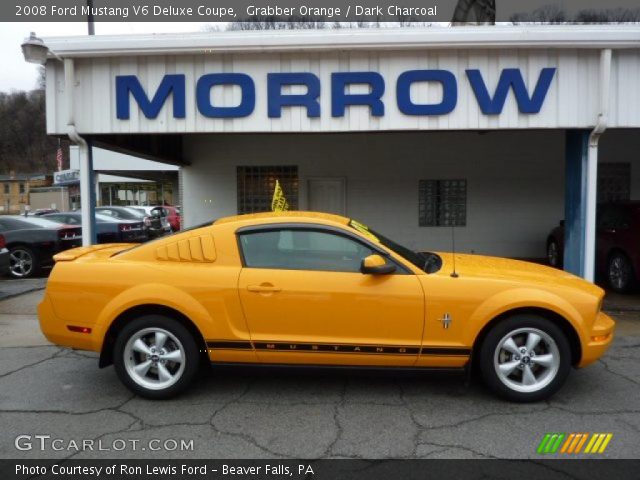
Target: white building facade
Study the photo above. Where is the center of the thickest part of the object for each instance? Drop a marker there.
(410, 131)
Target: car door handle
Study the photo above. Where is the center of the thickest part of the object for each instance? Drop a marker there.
(263, 288)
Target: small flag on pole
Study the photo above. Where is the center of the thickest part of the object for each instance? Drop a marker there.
(279, 202)
(59, 157)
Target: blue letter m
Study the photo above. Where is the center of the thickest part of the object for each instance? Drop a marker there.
(170, 84)
(511, 78)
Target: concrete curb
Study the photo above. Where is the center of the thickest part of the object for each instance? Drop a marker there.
(7, 296)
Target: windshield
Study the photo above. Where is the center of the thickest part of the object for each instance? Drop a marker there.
(424, 261)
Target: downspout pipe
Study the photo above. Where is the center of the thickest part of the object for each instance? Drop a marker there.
(86, 167)
(592, 166)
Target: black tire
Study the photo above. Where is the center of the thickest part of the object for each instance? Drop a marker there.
(620, 275)
(554, 255)
(553, 344)
(124, 357)
(19, 255)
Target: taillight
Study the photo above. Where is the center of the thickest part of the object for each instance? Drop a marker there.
(69, 233)
(77, 329)
(124, 227)
(3, 241)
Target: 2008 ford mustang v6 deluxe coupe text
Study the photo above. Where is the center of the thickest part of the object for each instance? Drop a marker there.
(318, 289)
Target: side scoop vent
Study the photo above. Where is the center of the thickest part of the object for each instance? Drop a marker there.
(194, 249)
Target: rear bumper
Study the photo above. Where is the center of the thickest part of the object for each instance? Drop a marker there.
(4, 261)
(158, 232)
(134, 236)
(57, 331)
(600, 339)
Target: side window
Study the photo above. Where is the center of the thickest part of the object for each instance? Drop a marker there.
(302, 250)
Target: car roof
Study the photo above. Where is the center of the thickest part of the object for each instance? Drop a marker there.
(265, 217)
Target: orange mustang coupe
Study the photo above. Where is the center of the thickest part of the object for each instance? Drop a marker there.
(318, 289)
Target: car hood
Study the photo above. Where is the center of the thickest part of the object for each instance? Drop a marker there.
(518, 271)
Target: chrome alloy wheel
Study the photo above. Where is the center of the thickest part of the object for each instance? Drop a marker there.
(527, 360)
(20, 262)
(154, 358)
(619, 272)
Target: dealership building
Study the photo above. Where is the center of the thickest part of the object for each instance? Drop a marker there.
(492, 133)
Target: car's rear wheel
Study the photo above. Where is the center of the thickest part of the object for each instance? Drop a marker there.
(620, 274)
(156, 357)
(553, 253)
(525, 358)
(23, 262)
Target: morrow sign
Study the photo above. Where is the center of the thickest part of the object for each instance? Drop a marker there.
(174, 86)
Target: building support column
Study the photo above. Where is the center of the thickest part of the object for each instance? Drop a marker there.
(582, 184)
(87, 194)
(93, 180)
(577, 183)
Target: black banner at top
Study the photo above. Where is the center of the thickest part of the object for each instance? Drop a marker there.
(402, 11)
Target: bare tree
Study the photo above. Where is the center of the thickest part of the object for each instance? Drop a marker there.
(42, 78)
(296, 22)
(554, 14)
(479, 12)
(616, 15)
(545, 14)
(304, 23)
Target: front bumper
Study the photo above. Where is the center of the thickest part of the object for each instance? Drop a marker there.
(599, 341)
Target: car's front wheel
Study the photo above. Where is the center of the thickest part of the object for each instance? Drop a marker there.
(156, 357)
(525, 358)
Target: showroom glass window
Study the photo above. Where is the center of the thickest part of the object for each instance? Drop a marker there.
(257, 183)
(302, 250)
(442, 203)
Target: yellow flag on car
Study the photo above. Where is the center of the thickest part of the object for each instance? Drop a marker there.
(279, 202)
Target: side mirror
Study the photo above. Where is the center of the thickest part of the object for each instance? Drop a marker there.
(376, 265)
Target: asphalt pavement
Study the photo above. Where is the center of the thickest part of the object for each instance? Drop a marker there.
(13, 287)
(269, 413)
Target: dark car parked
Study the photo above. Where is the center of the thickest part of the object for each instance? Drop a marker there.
(4, 256)
(617, 245)
(108, 229)
(33, 241)
(159, 218)
(152, 224)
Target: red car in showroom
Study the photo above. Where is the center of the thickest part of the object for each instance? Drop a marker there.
(617, 245)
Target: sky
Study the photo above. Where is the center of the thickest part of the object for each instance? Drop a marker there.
(19, 75)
